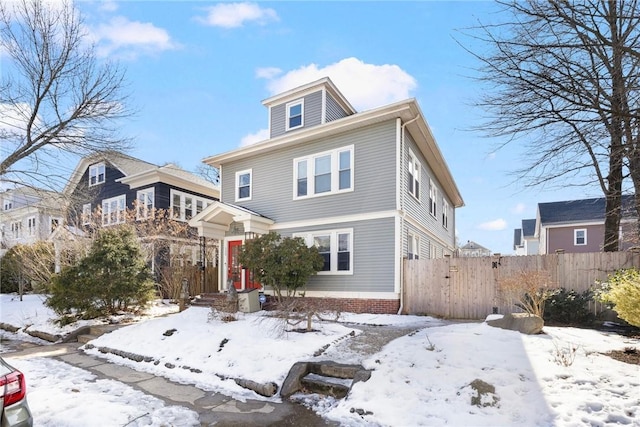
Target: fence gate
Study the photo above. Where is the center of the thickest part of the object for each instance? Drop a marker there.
(467, 288)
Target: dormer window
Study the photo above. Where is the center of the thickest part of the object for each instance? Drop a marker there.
(96, 174)
(294, 114)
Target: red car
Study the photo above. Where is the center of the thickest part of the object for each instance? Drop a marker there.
(13, 393)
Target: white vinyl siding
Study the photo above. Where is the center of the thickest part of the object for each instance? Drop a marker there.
(114, 210)
(96, 174)
(145, 203)
(330, 172)
(243, 185)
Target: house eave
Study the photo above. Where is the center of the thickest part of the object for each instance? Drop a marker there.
(151, 177)
(406, 110)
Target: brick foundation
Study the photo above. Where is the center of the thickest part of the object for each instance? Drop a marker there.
(350, 305)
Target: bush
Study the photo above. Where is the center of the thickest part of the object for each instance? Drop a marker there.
(10, 272)
(569, 307)
(113, 277)
(622, 291)
(527, 290)
(282, 263)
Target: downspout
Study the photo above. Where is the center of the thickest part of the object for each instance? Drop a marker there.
(400, 200)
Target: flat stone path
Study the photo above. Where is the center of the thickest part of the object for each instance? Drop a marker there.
(213, 408)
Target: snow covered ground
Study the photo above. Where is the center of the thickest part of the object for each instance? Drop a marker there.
(558, 378)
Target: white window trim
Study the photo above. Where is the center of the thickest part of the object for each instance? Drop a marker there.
(433, 196)
(575, 237)
(31, 226)
(16, 229)
(237, 186)
(415, 165)
(121, 207)
(335, 173)
(94, 170)
(52, 220)
(445, 214)
(142, 211)
(288, 113)
(413, 243)
(86, 214)
(183, 206)
(333, 235)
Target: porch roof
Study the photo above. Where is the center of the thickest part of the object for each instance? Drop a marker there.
(215, 219)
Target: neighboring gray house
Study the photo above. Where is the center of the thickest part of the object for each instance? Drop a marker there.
(472, 249)
(525, 241)
(368, 189)
(578, 225)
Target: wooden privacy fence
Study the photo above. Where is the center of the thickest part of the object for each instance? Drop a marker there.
(171, 280)
(467, 288)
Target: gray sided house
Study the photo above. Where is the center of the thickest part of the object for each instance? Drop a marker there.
(368, 189)
(578, 225)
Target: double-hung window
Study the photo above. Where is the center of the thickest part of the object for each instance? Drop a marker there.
(295, 114)
(580, 237)
(145, 203)
(330, 172)
(86, 214)
(413, 246)
(16, 228)
(96, 174)
(243, 185)
(413, 175)
(113, 210)
(31, 226)
(433, 195)
(445, 214)
(185, 206)
(335, 247)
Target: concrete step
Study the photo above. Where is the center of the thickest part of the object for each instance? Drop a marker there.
(326, 377)
(327, 386)
(85, 338)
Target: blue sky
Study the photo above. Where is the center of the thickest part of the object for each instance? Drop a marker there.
(199, 70)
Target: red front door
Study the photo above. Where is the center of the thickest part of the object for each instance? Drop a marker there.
(234, 269)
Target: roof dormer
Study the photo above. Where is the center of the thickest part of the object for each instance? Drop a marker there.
(309, 105)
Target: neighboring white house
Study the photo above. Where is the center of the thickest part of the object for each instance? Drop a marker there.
(28, 215)
(472, 249)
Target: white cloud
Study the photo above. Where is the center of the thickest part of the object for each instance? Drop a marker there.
(365, 85)
(495, 225)
(519, 208)
(108, 6)
(131, 38)
(268, 72)
(234, 15)
(14, 117)
(253, 138)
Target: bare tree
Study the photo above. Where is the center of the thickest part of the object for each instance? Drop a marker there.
(563, 76)
(57, 99)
